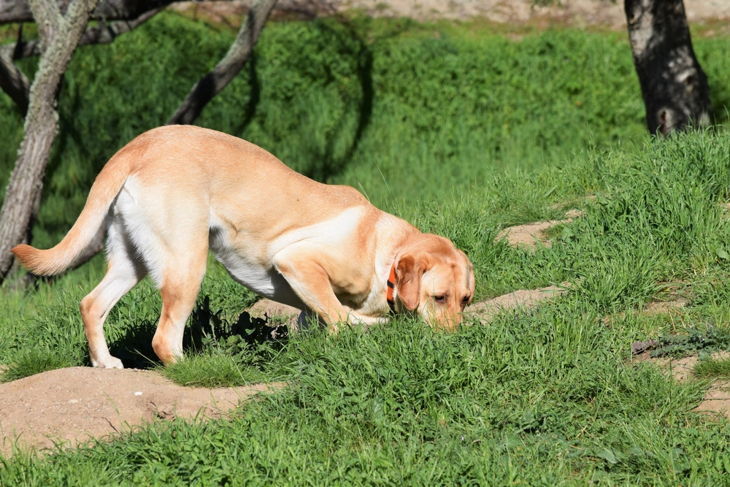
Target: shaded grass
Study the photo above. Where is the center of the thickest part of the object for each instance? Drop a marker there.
(373, 105)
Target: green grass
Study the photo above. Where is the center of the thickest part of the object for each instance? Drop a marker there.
(465, 133)
(213, 369)
(712, 368)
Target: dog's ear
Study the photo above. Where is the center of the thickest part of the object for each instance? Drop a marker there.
(408, 274)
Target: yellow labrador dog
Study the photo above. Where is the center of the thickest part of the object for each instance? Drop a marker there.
(175, 192)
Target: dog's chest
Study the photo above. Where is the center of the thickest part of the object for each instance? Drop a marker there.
(256, 277)
(262, 279)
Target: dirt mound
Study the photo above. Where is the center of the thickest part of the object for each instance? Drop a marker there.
(485, 311)
(70, 406)
(529, 235)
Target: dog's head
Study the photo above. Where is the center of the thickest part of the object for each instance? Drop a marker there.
(434, 279)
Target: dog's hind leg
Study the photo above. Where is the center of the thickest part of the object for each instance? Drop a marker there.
(124, 271)
(168, 226)
(179, 288)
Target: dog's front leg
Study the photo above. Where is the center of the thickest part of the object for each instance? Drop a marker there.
(310, 282)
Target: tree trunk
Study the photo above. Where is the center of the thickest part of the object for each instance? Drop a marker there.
(673, 85)
(59, 36)
(212, 83)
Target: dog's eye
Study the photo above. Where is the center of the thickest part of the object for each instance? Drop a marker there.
(441, 298)
(465, 300)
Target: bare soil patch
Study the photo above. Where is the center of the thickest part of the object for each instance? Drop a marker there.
(575, 12)
(665, 307)
(485, 311)
(266, 308)
(73, 405)
(717, 397)
(530, 235)
(274, 313)
(669, 307)
(578, 13)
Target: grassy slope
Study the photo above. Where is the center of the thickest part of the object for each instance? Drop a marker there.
(466, 133)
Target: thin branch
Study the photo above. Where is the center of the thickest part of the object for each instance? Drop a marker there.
(101, 34)
(212, 83)
(13, 81)
(16, 84)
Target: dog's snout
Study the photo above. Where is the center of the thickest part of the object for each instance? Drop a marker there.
(446, 321)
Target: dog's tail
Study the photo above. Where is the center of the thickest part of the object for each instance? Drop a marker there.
(88, 225)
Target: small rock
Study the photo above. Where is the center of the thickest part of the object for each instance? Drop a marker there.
(641, 347)
(574, 213)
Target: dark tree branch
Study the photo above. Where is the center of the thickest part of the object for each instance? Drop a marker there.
(13, 81)
(673, 85)
(212, 83)
(101, 34)
(19, 11)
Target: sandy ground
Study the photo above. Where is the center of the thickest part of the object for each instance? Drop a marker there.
(70, 406)
(579, 13)
(530, 235)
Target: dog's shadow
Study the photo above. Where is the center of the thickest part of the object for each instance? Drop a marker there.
(206, 328)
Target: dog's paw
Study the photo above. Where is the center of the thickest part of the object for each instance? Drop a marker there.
(109, 363)
(360, 319)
